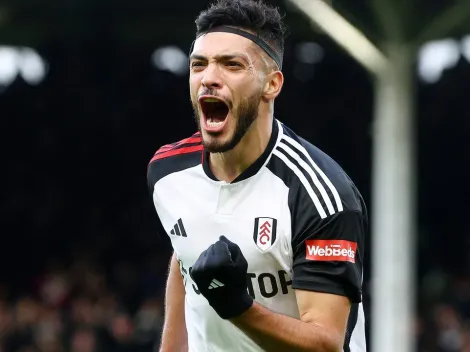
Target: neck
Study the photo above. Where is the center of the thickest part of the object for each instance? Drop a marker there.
(229, 165)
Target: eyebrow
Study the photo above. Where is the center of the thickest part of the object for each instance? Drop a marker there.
(221, 57)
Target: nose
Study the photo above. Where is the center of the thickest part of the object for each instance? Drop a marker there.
(211, 78)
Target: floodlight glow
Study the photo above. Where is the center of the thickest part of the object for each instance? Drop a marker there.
(172, 59)
(31, 66)
(8, 65)
(22, 61)
(466, 47)
(435, 57)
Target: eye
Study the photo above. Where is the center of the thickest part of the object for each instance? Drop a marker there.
(234, 64)
(197, 64)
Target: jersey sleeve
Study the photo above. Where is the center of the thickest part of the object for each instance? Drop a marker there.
(153, 174)
(169, 159)
(328, 251)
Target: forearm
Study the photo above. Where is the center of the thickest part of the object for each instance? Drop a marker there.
(275, 332)
(174, 336)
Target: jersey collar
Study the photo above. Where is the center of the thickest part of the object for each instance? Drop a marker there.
(253, 168)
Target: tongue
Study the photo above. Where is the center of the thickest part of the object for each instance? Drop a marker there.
(217, 112)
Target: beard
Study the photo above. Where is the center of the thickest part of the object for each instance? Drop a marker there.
(244, 115)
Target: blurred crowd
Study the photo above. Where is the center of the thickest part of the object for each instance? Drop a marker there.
(443, 324)
(84, 308)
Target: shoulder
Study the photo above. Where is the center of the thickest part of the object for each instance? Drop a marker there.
(328, 220)
(314, 178)
(174, 157)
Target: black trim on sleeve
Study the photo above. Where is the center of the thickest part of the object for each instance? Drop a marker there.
(328, 285)
(352, 321)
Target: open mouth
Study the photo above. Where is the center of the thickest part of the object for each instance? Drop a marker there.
(215, 113)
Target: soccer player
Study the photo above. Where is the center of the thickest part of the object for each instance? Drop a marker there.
(267, 230)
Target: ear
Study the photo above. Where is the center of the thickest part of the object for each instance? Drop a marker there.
(273, 85)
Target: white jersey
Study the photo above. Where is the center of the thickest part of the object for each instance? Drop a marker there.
(295, 214)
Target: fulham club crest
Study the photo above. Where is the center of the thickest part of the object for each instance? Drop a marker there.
(265, 232)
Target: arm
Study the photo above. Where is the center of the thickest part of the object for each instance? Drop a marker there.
(174, 336)
(325, 286)
(321, 329)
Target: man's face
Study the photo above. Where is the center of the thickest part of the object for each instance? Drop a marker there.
(226, 88)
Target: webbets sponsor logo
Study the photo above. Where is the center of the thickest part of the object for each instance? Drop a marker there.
(331, 250)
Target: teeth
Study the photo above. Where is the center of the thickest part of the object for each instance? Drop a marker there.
(214, 123)
(211, 100)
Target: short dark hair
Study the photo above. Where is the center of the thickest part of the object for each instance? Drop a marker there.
(252, 15)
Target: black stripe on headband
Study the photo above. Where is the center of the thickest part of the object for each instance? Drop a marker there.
(261, 43)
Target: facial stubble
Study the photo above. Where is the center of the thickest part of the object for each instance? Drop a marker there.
(244, 115)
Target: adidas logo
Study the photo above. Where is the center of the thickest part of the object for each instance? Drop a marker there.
(215, 284)
(178, 229)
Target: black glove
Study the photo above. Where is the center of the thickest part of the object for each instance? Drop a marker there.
(220, 275)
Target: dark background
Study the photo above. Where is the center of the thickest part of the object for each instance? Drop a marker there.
(78, 224)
